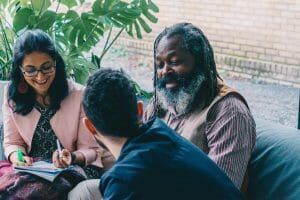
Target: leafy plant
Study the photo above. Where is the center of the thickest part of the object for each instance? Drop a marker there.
(76, 34)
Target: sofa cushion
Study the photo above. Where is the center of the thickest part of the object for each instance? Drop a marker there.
(274, 168)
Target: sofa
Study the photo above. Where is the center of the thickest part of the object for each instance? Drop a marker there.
(274, 168)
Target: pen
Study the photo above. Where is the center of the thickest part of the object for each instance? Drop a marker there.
(59, 149)
(20, 155)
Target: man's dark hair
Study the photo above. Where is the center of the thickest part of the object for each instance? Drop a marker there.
(36, 41)
(195, 42)
(110, 103)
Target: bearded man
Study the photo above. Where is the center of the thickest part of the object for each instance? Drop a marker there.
(191, 98)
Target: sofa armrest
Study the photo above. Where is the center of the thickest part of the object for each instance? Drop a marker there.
(2, 156)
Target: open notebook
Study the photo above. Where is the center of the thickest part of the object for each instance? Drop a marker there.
(42, 169)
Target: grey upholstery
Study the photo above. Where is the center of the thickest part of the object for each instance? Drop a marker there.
(2, 84)
(2, 157)
(274, 168)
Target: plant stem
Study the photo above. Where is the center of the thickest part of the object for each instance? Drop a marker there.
(6, 43)
(40, 11)
(32, 5)
(108, 37)
(112, 42)
(90, 34)
(7, 22)
(58, 4)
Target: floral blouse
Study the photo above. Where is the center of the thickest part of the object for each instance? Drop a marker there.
(44, 140)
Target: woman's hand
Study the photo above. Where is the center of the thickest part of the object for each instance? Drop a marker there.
(13, 158)
(64, 161)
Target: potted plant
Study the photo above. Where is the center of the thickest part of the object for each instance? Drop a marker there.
(75, 33)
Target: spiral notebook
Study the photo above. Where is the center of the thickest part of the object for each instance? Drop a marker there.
(42, 169)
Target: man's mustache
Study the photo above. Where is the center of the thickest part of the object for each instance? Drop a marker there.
(183, 80)
(161, 82)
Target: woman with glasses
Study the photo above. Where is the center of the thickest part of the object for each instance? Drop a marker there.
(42, 108)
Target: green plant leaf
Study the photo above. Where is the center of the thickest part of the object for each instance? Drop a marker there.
(140, 92)
(40, 5)
(122, 20)
(131, 12)
(145, 26)
(32, 20)
(21, 19)
(46, 20)
(75, 33)
(82, 69)
(62, 43)
(108, 4)
(129, 30)
(3, 3)
(143, 4)
(149, 16)
(138, 30)
(115, 22)
(96, 60)
(12, 6)
(85, 31)
(153, 7)
(70, 3)
(98, 9)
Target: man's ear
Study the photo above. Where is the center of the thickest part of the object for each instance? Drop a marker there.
(90, 127)
(140, 109)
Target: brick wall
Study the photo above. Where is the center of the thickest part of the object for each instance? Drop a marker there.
(258, 38)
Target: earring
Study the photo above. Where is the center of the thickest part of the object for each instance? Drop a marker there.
(22, 87)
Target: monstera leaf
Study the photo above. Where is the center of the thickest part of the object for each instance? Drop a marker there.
(83, 31)
(126, 15)
(81, 68)
(40, 6)
(46, 20)
(22, 19)
(70, 3)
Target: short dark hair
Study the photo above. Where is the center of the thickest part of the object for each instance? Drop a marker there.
(195, 42)
(110, 102)
(36, 41)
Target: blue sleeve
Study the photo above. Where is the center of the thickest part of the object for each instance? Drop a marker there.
(116, 189)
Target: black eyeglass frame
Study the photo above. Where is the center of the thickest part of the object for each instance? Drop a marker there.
(36, 71)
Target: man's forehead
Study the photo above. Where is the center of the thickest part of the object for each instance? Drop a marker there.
(169, 45)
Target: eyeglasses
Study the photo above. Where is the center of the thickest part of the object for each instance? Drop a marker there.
(44, 69)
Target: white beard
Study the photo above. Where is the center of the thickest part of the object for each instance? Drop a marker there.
(180, 99)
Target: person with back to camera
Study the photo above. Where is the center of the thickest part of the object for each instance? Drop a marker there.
(191, 98)
(41, 106)
(152, 160)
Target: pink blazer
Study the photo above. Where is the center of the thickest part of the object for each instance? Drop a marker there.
(66, 123)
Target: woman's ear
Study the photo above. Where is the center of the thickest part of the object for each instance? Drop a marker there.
(89, 125)
(140, 109)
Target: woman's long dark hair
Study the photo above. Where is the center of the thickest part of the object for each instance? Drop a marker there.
(36, 41)
(195, 42)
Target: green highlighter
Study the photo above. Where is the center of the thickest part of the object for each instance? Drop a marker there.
(20, 156)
